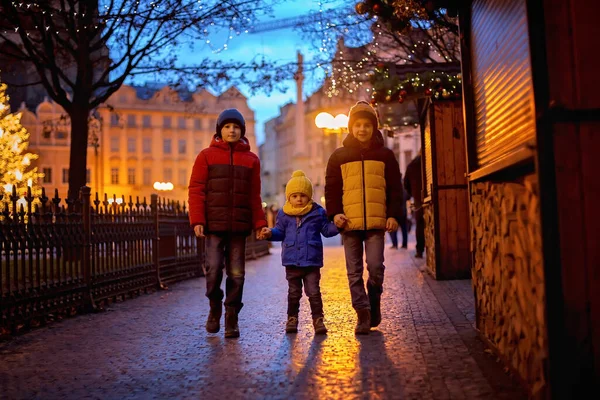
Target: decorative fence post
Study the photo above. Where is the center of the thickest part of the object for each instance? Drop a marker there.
(84, 196)
(156, 240)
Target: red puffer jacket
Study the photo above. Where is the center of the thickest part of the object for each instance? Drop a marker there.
(224, 191)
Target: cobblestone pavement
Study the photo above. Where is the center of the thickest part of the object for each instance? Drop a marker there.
(155, 346)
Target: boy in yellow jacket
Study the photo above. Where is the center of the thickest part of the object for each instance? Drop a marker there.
(363, 193)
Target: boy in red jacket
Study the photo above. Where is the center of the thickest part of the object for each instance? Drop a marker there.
(224, 207)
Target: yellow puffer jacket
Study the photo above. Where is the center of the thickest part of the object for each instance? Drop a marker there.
(364, 184)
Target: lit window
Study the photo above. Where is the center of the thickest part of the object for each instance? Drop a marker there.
(47, 175)
(114, 176)
(147, 145)
(131, 176)
(114, 144)
(168, 174)
(147, 176)
(131, 121)
(167, 146)
(131, 145)
(181, 123)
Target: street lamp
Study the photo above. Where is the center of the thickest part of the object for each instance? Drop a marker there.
(163, 186)
(331, 124)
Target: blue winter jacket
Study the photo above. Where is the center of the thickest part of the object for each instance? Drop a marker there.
(302, 245)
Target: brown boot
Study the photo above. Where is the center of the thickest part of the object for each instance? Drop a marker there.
(319, 326)
(214, 317)
(363, 326)
(231, 323)
(291, 325)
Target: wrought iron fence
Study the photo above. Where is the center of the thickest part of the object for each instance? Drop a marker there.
(59, 259)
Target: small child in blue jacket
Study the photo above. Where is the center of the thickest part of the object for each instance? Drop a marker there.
(299, 226)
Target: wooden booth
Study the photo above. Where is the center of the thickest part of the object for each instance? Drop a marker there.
(445, 190)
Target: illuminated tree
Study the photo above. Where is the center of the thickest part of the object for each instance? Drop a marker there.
(16, 171)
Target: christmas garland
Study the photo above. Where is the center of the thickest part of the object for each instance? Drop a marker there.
(436, 84)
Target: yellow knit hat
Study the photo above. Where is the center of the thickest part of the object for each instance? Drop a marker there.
(299, 183)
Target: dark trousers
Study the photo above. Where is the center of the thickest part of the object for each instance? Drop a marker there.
(310, 276)
(420, 230)
(228, 251)
(404, 230)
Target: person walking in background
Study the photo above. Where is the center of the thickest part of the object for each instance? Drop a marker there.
(225, 206)
(402, 224)
(299, 226)
(363, 193)
(413, 183)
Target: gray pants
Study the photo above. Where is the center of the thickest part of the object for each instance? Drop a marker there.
(374, 243)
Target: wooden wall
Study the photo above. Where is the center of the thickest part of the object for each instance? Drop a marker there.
(508, 276)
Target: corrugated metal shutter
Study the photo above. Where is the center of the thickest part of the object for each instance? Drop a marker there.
(428, 161)
(503, 88)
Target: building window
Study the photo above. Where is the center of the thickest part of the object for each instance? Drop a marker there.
(131, 176)
(131, 145)
(147, 145)
(114, 144)
(197, 146)
(168, 174)
(183, 178)
(61, 134)
(198, 124)
(88, 176)
(182, 147)
(167, 146)
(166, 122)
(146, 121)
(47, 175)
(131, 121)
(147, 176)
(65, 175)
(114, 176)
(114, 119)
(181, 123)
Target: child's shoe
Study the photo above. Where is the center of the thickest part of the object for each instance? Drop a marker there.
(291, 325)
(319, 326)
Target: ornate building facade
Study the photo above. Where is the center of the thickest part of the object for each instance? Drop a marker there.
(140, 136)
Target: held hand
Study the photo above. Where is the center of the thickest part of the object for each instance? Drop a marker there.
(340, 220)
(262, 232)
(266, 233)
(391, 225)
(199, 231)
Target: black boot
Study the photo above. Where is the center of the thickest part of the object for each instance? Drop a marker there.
(231, 322)
(364, 321)
(375, 300)
(214, 317)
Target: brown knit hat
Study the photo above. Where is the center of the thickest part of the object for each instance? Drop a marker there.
(362, 109)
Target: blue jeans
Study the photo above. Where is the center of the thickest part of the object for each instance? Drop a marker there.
(227, 251)
(374, 243)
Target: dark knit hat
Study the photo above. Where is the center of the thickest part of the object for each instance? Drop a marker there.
(231, 115)
(362, 109)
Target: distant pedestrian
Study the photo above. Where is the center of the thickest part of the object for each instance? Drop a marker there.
(363, 193)
(413, 183)
(299, 226)
(403, 225)
(225, 207)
